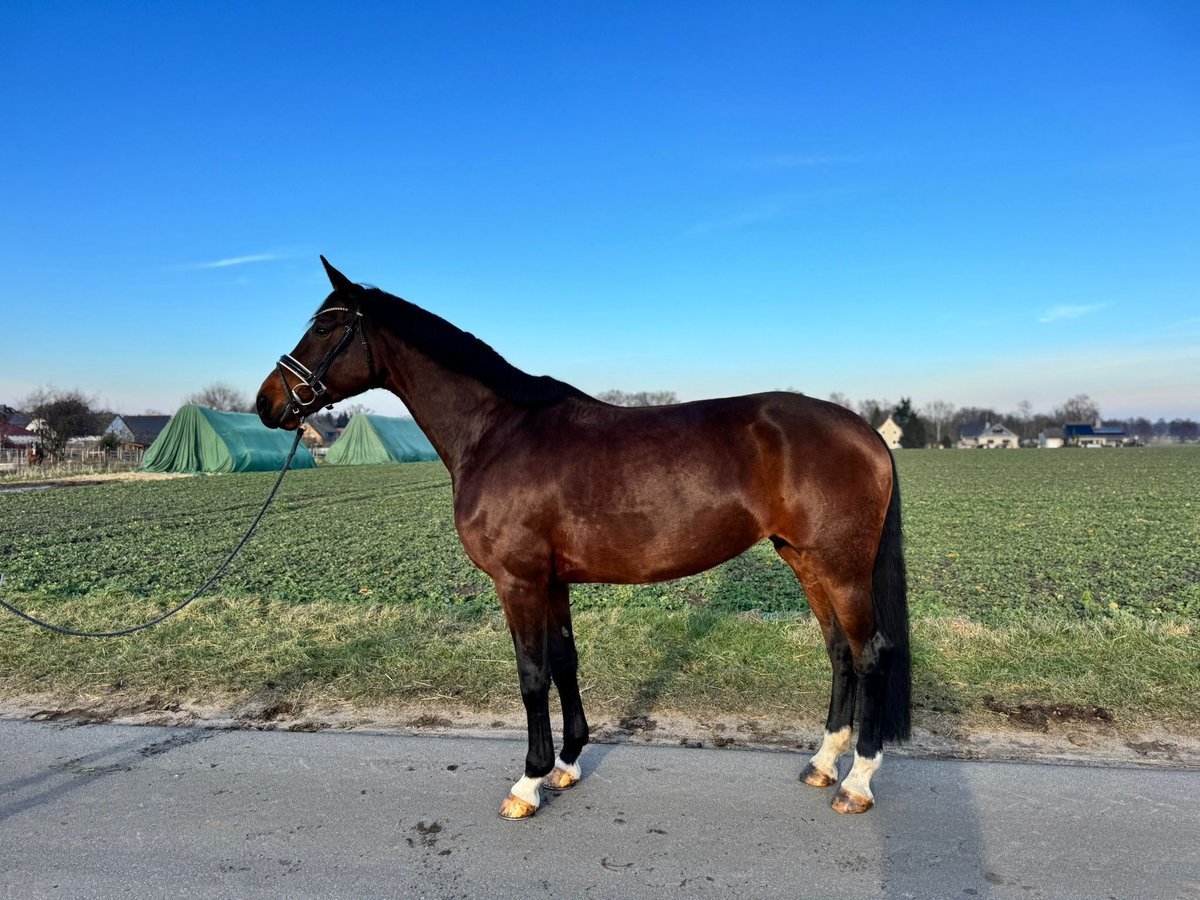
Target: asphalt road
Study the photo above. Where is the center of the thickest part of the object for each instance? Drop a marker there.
(124, 811)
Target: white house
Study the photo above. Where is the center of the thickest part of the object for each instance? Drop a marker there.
(890, 432)
(996, 437)
(1051, 439)
(989, 437)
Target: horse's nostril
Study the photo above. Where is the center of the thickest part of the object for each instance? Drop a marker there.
(264, 405)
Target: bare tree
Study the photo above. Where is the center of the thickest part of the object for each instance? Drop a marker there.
(221, 396)
(59, 416)
(875, 411)
(1024, 418)
(1080, 408)
(940, 413)
(641, 398)
(345, 412)
(357, 409)
(841, 400)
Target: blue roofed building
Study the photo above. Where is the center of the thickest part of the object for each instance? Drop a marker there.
(1093, 434)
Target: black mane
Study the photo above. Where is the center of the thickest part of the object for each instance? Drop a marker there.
(461, 351)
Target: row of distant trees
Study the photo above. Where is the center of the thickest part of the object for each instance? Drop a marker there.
(226, 398)
(65, 414)
(69, 414)
(641, 398)
(940, 422)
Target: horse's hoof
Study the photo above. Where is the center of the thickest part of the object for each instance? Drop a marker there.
(849, 803)
(514, 807)
(814, 777)
(559, 779)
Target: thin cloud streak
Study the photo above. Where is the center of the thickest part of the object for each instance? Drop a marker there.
(1063, 313)
(768, 208)
(238, 261)
(800, 161)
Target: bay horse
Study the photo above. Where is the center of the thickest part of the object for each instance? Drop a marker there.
(553, 487)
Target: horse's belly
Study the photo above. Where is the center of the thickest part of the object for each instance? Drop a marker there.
(636, 548)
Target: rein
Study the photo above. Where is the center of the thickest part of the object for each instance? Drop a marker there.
(310, 379)
(70, 632)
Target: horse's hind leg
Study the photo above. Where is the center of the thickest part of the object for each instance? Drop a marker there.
(564, 666)
(841, 597)
(822, 769)
(853, 608)
(854, 795)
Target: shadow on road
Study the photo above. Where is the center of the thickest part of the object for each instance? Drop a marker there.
(952, 848)
(58, 779)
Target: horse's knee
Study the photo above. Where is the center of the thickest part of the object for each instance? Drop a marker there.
(534, 676)
(535, 691)
(869, 661)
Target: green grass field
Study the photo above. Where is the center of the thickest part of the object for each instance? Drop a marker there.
(1051, 578)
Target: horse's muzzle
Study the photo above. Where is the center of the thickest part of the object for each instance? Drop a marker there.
(263, 404)
(274, 409)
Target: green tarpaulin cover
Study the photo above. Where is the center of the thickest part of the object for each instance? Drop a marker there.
(198, 439)
(380, 439)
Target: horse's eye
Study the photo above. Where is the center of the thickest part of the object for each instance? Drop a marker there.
(320, 330)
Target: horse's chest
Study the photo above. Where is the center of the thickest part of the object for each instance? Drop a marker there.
(500, 531)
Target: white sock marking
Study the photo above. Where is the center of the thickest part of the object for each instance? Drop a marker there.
(527, 790)
(859, 779)
(573, 769)
(833, 745)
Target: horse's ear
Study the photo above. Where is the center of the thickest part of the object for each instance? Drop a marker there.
(336, 278)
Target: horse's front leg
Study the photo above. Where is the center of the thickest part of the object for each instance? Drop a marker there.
(526, 605)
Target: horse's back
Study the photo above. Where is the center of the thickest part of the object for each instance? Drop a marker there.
(625, 495)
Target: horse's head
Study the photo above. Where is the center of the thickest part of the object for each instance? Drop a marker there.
(332, 361)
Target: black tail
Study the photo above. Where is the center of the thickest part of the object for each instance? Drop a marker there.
(889, 591)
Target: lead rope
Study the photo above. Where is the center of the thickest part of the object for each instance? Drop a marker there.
(58, 629)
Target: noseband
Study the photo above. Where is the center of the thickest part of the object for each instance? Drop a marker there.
(312, 379)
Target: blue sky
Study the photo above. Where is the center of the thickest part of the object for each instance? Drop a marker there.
(979, 203)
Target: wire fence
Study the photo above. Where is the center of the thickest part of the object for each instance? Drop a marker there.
(74, 460)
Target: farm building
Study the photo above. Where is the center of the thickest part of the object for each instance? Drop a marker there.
(318, 434)
(198, 439)
(139, 431)
(890, 432)
(380, 439)
(15, 436)
(999, 436)
(1088, 434)
(1051, 439)
(13, 416)
(968, 435)
(987, 437)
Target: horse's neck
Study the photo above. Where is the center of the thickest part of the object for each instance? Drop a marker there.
(454, 410)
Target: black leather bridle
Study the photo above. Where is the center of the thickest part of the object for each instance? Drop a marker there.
(312, 379)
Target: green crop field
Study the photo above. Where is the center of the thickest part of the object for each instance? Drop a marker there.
(1070, 576)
